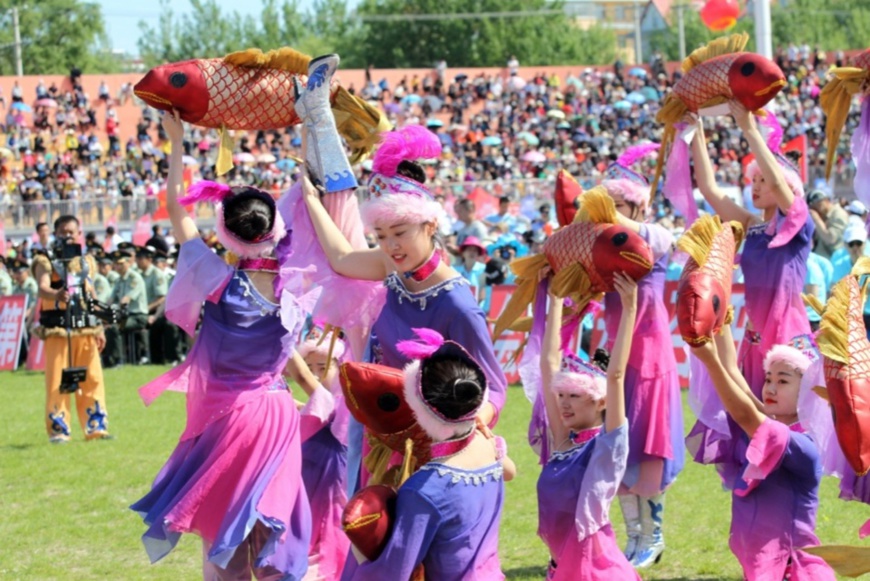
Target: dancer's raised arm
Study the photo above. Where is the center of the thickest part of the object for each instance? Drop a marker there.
(183, 226)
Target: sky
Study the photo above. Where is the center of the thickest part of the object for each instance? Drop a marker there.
(122, 16)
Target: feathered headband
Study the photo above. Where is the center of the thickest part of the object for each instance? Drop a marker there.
(577, 377)
(800, 353)
(790, 171)
(394, 197)
(428, 345)
(621, 181)
(208, 191)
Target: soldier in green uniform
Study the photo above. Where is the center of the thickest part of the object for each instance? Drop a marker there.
(129, 294)
(156, 287)
(24, 284)
(102, 284)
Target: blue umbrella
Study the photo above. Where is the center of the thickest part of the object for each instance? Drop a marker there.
(445, 139)
(410, 99)
(434, 123)
(637, 72)
(21, 107)
(650, 93)
(285, 164)
(624, 105)
(636, 97)
(529, 138)
(563, 125)
(492, 140)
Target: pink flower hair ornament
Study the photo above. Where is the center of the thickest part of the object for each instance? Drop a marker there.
(208, 191)
(624, 183)
(774, 136)
(431, 344)
(577, 377)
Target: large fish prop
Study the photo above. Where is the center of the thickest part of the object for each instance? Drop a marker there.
(842, 339)
(583, 256)
(836, 101)
(713, 75)
(704, 289)
(252, 90)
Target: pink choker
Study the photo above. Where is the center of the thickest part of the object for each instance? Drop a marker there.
(451, 447)
(263, 264)
(584, 436)
(426, 269)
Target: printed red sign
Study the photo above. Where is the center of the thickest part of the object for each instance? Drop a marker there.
(12, 313)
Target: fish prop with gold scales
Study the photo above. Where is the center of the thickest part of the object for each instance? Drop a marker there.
(836, 101)
(713, 75)
(583, 256)
(842, 339)
(252, 90)
(704, 289)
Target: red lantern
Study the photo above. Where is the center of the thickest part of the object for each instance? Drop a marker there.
(720, 15)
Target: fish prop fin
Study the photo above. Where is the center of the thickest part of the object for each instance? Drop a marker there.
(527, 270)
(570, 280)
(698, 240)
(672, 111)
(822, 392)
(833, 336)
(596, 206)
(377, 460)
(836, 100)
(358, 122)
(861, 267)
(729, 318)
(518, 353)
(845, 560)
(408, 463)
(285, 59)
(225, 153)
(522, 325)
(813, 302)
(723, 45)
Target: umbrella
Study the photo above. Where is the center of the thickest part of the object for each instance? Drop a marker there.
(434, 102)
(265, 158)
(492, 140)
(529, 138)
(392, 109)
(4, 152)
(581, 137)
(434, 123)
(636, 97)
(285, 164)
(650, 93)
(563, 125)
(624, 105)
(19, 106)
(47, 103)
(534, 157)
(243, 157)
(637, 72)
(556, 114)
(31, 185)
(411, 99)
(189, 160)
(516, 83)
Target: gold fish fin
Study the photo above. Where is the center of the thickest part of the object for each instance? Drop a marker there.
(521, 325)
(698, 240)
(527, 270)
(717, 47)
(407, 462)
(845, 560)
(358, 122)
(596, 206)
(813, 302)
(225, 153)
(285, 59)
(571, 279)
(822, 392)
(836, 100)
(833, 336)
(377, 460)
(861, 267)
(729, 318)
(739, 232)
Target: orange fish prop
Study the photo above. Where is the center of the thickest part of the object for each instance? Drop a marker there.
(251, 90)
(704, 290)
(583, 256)
(836, 100)
(713, 75)
(842, 339)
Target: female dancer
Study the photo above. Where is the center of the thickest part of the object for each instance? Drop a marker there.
(448, 512)
(771, 466)
(584, 471)
(324, 452)
(652, 384)
(774, 259)
(234, 478)
(423, 291)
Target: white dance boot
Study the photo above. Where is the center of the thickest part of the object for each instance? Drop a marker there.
(630, 505)
(652, 541)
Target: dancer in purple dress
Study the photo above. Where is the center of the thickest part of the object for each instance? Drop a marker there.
(324, 451)
(448, 512)
(653, 402)
(234, 477)
(589, 435)
(769, 463)
(775, 251)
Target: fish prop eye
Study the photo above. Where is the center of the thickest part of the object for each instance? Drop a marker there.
(620, 239)
(178, 80)
(717, 304)
(747, 69)
(389, 402)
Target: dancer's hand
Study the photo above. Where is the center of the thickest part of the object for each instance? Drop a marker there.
(309, 190)
(627, 289)
(706, 352)
(742, 116)
(174, 126)
(484, 418)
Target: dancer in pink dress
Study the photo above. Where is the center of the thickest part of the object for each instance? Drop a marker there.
(589, 435)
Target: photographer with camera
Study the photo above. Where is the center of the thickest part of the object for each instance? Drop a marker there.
(73, 336)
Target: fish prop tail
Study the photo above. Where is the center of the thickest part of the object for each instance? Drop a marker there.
(845, 560)
(225, 153)
(836, 100)
(527, 270)
(358, 122)
(596, 206)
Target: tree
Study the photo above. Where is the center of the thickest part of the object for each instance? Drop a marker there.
(56, 35)
(697, 34)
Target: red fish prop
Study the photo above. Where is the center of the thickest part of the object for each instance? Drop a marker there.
(713, 75)
(843, 341)
(567, 192)
(367, 519)
(251, 90)
(704, 290)
(583, 256)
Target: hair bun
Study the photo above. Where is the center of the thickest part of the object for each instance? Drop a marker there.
(601, 359)
(466, 389)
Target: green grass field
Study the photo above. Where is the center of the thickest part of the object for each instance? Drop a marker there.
(65, 516)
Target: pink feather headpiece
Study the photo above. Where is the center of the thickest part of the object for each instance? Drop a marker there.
(208, 191)
(320, 346)
(435, 424)
(799, 355)
(577, 377)
(393, 197)
(623, 182)
(790, 172)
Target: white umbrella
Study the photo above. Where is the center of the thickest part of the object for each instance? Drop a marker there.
(534, 157)
(244, 157)
(189, 160)
(265, 158)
